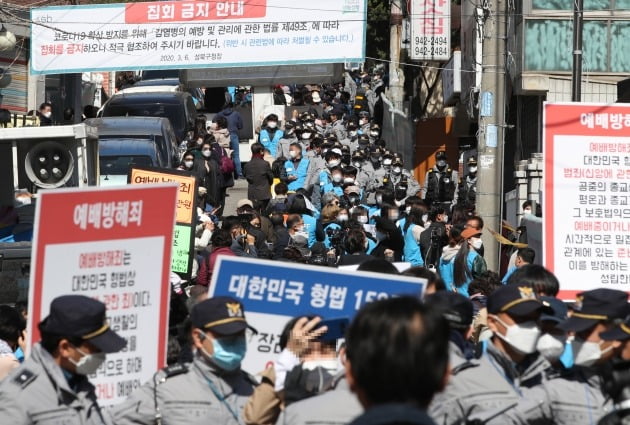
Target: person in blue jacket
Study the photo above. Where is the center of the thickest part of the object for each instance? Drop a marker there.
(296, 167)
(270, 135)
(412, 230)
(460, 264)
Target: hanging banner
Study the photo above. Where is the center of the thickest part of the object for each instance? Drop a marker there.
(586, 216)
(185, 211)
(109, 244)
(195, 34)
(430, 30)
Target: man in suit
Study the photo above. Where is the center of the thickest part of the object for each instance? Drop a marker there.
(259, 177)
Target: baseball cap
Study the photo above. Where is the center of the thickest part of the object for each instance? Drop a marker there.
(221, 315)
(78, 316)
(517, 300)
(455, 308)
(244, 202)
(596, 305)
(440, 155)
(472, 161)
(621, 332)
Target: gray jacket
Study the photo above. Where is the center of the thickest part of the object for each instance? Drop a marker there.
(336, 406)
(38, 393)
(195, 393)
(491, 383)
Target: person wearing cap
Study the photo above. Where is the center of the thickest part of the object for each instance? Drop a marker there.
(375, 133)
(336, 126)
(576, 397)
(51, 386)
(211, 389)
(401, 181)
(289, 136)
(492, 385)
(439, 183)
(620, 334)
(466, 193)
(352, 136)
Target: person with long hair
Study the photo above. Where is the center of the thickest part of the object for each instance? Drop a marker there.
(460, 264)
(412, 230)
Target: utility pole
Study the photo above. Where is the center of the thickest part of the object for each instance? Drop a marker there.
(492, 103)
(576, 74)
(396, 92)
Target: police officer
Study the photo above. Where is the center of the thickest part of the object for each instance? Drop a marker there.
(51, 386)
(211, 389)
(337, 127)
(375, 133)
(439, 183)
(467, 186)
(364, 122)
(288, 138)
(402, 182)
(575, 396)
(493, 384)
(352, 137)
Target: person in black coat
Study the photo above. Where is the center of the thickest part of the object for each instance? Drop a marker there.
(259, 177)
(355, 245)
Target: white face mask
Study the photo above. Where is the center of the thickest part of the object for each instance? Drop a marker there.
(527, 211)
(363, 122)
(407, 210)
(550, 347)
(353, 133)
(188, 164)
(206, 153)
(342, 217)
(441, 163)
(472, 170)
(47, 114)
(362, 219)
(337, 178)
(306, 136)
(356, 164)
(523, 337)
(293, 154)
(272, 124)
(425, 218)
(587, 353)
(89, 363)
(387, 162)
(348, 180)
(397, 170)
(374, 133)
(476, 243)
(334, 163)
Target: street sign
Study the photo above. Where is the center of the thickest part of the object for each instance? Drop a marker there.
(586, 218)
(185, 212)
(195, 34)
(114, 245)
(430, 30)
(274, 292)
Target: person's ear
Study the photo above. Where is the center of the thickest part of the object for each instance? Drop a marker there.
(198, 337)
(65, 349)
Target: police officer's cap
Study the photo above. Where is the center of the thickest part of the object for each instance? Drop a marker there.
(309, 126)
(514, 299)
(456, 308)
(78, 316)
(621, 332)
(358, 154)
(364, 114)
(375, 127)
(289, 124)
(352, 126)
(440, 155)
(397, 161)
(364, 137)
(330, 154)
(554, 310)
(220, 315)
(591, 307)
(337, 111)
(472, 161)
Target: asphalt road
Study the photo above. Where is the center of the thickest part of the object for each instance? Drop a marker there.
(236, 193)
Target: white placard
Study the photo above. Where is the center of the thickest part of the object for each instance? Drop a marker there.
(430, 30)
(196, 34)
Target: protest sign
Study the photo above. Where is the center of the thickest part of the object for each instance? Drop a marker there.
(274, 292)
(111, 245)
(185, 213)
(586, 218)
(195, 34)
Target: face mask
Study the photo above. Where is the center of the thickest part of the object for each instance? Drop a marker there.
(374, 133)
(587, 353)
(188, 164)
(425, 218)
(337, 178)
(362, 219)
(334, 163)
(342, 217)
(356, 164)
(527, 211)
(353, 133)
(441, 163)
(206, 153)
(393, 216)
(476, 243)
(472, 170)
(550, 347)
(47, 114)
(228, 352)
(397, 170)
(306, 136)
(407, 210)
(89, 363)
(380, 236)
(272, 124)
(293, 154)
(330, 366)
(387, 162)
(299, 234)
(348, 180)
(522, 336)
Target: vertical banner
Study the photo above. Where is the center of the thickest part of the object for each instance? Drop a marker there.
(586, 219)
(274, 292)
(430, 30)
(185, 212)
(114, 245)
